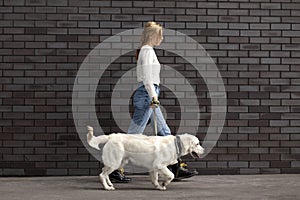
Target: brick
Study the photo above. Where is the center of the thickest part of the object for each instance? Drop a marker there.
(104, 3)
(14, 3)
(13, 17)
(74, 172)
(260, 26)
(172, 25)
(121, 4)
(290, 19)
(34, 143)
(185, 18)
(58, 3)
(291, 6)
(249, 19)
(290, 47)
(88, 10)
(57, 172)
(195, 11)
(280, 12)
(250, 33)
(249, 171)
(66, 165)
(85, 165)
(228, 33)
(45, 150)
(36, 3)
(61, 30)
(239, 164)
(248, 143)
(217, 164)
(13, 172)
(229, 18)
(270, 171)
(227, 158)
(67, 24)
(109, 24)
(143, 4)
(238, 12)
(121, 18)
(85, 24)
(270, 5)
(259, 164)
(280, 164)
(295, 163)
(219, 11)
(258, 150)
(237, 137)
(248, 157)
(78, 157)
(281, 26)
(207, 18)
(207, 5)
(153, 10)
(209, 32)
(66, 150)
(144, 18)
(227, 143)
(238, 26)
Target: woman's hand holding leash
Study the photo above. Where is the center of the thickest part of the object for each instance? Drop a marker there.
(154, 103)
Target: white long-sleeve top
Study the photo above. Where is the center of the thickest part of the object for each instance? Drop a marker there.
(148, 69)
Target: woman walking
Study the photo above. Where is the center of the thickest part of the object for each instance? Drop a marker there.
(145, 99)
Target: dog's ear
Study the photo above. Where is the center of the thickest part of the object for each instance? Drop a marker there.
(195, 140)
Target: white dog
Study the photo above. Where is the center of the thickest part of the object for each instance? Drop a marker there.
(153, 152)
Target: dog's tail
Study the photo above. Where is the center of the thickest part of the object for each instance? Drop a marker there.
(95, 141)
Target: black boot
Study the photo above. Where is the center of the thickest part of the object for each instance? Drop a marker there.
(180, 172)
(117, 177)
(184, 166)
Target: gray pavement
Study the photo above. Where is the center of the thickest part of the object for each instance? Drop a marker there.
(225, 187)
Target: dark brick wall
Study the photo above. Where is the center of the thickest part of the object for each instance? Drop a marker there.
(255, 44)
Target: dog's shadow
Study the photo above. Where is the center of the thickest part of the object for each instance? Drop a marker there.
(137, 184)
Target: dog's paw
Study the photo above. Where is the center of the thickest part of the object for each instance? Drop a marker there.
(109, 188)
(113, 188)
(163, 188)
(160, 187)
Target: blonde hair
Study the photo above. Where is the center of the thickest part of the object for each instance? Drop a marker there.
(152, 31)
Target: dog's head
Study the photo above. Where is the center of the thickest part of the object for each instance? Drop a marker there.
(193, 145)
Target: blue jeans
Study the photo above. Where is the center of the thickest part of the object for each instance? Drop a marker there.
(143, 113)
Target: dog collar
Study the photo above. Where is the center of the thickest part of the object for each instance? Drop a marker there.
(178, 145)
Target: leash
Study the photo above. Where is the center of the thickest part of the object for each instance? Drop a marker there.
(155, 104)
(155, 120)
(178, 143)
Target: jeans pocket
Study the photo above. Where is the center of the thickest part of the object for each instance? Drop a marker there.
(141, 99)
